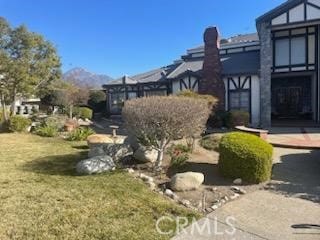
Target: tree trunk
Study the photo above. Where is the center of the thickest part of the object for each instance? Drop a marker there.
(160, 155)
(70, 111)
(4, 108)
(13, 104)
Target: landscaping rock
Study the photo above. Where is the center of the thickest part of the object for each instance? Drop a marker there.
(151, 185)
(117, 151)
(146, 155)
(185, 202)
(104, 138)
(145, 178)
(237, 181)
(238, 190)
(130, 170)
(169, 193)
(132, 141)
(186, 181)
(235, 196)
(94, 165)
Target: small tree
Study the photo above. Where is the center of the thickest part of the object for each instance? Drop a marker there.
(75, 95)
(155, 121)
(97, 100)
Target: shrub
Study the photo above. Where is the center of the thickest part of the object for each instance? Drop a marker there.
(47, 131)
(82, 112)
(245, 156)
(218, 119)
(56, 121)
(237, 118)
(18, 124)
(179, 155)
(211, 142)
(97, 100)
(80, 134)
(212, 101)
(155, 121)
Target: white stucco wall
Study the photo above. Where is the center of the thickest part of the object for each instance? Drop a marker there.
(176, 85)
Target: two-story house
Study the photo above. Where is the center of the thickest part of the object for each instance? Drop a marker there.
(272, 74)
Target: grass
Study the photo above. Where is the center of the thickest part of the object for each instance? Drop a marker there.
(42, 197)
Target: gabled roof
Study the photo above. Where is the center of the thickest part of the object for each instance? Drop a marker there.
(278, 10)
(192, 66)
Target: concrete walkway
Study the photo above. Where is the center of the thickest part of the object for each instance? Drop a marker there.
(289, 209)
(295, 137)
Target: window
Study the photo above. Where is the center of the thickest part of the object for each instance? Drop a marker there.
(294, 48)
(239, 100)
(116, 101)
(298, 50)
(312, 49)
(155, 93)
(282, 48)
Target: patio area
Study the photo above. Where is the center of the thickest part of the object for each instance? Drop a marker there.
(295, 137)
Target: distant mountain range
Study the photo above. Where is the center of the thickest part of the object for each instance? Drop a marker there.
(83, 77)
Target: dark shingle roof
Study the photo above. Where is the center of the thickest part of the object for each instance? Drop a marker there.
(241, 63)
(232, 41)
(192, 65)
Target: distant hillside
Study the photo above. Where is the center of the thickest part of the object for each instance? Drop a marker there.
(83, 77)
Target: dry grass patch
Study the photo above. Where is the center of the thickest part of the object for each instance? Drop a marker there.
(42, 198)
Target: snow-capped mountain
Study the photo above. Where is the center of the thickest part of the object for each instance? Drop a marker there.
(83, 77)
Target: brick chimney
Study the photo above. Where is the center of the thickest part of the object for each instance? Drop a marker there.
(212, 82)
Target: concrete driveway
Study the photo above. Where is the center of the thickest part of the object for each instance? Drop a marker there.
(288, 208)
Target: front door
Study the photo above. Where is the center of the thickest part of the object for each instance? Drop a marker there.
(291, 98)
(288, 102)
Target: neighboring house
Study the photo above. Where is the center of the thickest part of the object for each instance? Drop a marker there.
(274, 75)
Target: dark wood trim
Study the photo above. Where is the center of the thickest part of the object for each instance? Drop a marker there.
(290, 37)
(312, 5)
(240, 88)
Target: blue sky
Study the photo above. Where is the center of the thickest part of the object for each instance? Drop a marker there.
(118, 37)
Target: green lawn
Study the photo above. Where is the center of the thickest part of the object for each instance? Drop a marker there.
(41, 197)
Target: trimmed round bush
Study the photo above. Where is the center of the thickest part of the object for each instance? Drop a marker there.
(18, 124)
(245, 156)
(82, 112)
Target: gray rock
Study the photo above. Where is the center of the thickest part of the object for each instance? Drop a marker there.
(238, 190)
(132, 142)
(130, 170)
(186, 181)
(145, 178)
(168, 192)
(237, 181)
(114, 150)
(151, 185)
(96, 164)
(146, 155)
(235, 196)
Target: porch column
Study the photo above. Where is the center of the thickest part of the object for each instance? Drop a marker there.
(266, 55)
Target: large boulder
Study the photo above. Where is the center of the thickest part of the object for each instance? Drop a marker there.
(118, 152)
(101, 139)
(103, 144)
(133, 142)
(186, 181)
(94, 165)
(145, 155)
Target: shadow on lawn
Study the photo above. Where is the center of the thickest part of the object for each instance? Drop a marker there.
(298, 175)
(63, 165)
